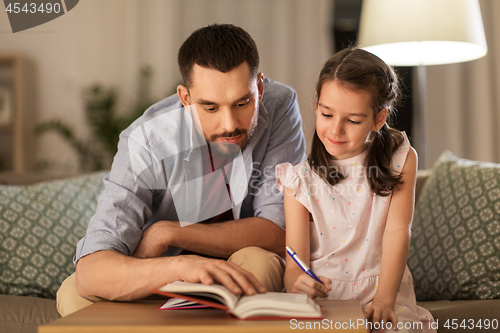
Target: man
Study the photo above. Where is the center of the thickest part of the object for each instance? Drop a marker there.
(204, 155)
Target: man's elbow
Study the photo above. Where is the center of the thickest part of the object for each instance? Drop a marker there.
(280, 249)
(88, 270)
(278, 240)
(82, 280)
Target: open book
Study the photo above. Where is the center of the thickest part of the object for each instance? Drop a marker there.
(270, 305)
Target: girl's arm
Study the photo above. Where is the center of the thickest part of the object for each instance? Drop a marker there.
(395, 244)
(297, 237)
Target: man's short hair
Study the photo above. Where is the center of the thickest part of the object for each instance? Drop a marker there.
(218, 46)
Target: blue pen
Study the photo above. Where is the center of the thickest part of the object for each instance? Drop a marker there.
(301, 264)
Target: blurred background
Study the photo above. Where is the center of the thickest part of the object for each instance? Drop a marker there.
(89, 72)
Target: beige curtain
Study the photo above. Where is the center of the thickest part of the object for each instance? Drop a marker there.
(294, 37)
(463, 101)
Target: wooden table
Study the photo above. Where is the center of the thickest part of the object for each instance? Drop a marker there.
(143, 317)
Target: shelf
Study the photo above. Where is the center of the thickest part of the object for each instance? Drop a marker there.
(6, 128)
(16, 113)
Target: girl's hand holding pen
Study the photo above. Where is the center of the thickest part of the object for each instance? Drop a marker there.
(304, 284)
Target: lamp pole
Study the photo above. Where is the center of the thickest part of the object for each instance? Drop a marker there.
(419, 91)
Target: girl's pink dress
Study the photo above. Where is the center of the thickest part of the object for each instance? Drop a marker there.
(347, 231)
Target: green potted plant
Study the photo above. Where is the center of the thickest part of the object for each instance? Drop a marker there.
(100, 104)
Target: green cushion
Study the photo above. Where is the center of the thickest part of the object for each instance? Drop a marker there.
(39, 228)
(455, 246)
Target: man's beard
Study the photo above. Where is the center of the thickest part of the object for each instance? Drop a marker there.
(231, 149)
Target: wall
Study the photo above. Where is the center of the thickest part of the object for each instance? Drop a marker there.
(108, 40)
(462, 111)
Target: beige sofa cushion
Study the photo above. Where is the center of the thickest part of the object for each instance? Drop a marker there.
(478, 312)
(422, 177)
(22, 314)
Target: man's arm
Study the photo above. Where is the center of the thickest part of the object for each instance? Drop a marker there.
(217, 239)
(114, 276)
(286, 143)
(223, 239)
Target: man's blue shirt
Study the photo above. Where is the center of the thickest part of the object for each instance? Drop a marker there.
(157, 173)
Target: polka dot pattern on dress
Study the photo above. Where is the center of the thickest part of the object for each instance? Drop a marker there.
(350, 225)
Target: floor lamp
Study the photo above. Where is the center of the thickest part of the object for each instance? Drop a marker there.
(422, 33)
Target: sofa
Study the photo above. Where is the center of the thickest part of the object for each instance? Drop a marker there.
(40, 225)
(454, 252)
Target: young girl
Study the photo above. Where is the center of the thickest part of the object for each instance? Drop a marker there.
(358, 185)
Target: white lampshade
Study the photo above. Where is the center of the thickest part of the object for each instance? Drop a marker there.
(422, 32)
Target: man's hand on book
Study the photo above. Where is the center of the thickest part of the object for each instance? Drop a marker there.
(155, 240)
(198, 269)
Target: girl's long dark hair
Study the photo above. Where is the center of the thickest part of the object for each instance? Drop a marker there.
(360, 70)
